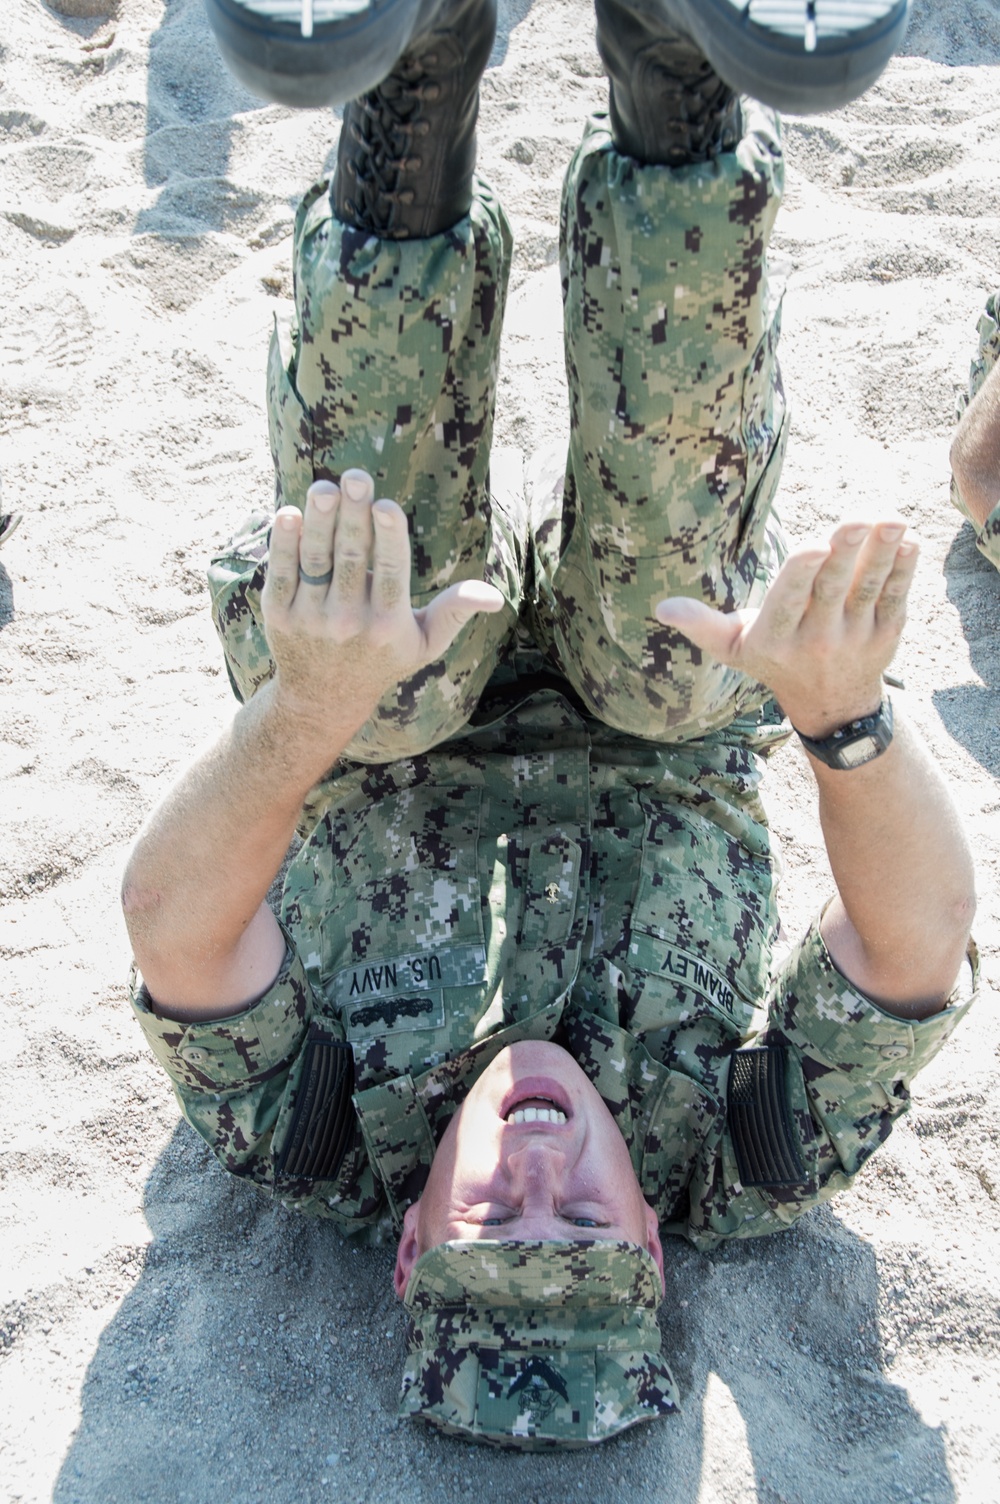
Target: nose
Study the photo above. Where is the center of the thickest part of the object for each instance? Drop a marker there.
(536, 1165)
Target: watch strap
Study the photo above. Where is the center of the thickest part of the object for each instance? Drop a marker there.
(855, 743)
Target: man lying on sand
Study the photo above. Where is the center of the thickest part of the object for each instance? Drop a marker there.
(975, 449)
(523, 1004)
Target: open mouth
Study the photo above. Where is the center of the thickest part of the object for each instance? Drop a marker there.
(537, 1112)
(535, 1102)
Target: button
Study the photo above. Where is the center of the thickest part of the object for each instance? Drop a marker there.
(894, 1051)
(193, 1054)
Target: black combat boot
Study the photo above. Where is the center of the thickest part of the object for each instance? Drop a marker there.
(407, 148)
(667, 104)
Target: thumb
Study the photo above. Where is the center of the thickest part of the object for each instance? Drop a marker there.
(716, 632)
(448, 613)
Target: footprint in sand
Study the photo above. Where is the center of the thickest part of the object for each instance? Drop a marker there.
(42, 342)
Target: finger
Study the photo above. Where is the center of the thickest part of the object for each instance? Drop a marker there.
(890, 610)
(872, 568)
(316, 542)
(834, 579)
(790, 593)
(391, 558)
(448, 613)
(353, 538)
(716, 632)
(282, 562)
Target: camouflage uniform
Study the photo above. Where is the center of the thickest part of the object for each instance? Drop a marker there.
(585, 857)
(574, 850)
(987, 534)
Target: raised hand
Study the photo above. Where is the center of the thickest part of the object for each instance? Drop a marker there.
(827, 628)
(336, 602)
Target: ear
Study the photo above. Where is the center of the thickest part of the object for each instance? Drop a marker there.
(653, 1244)
(409, 1248)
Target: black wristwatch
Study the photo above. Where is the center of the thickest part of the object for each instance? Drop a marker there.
(856, 743)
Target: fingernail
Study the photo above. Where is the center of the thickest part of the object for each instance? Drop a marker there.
(855, 535)
(892, 531)
(323, 500)
(287, 519)
(356, 484)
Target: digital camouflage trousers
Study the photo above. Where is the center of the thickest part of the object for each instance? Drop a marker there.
(677, 432)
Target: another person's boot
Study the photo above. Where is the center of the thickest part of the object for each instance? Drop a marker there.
(315, 53)
(407, 148)
(667, 103)
(802, 56)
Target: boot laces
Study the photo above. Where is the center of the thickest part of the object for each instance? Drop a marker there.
(385, 124)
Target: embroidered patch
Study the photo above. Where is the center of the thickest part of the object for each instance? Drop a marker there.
(451, 966)
(759, 1119)
(692, 972)
(323, 1121)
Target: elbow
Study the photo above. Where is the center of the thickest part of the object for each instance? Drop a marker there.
(963, 916)
(963, 471)
(975, 468)
(142, 907)
(966, 468)
(944, 961)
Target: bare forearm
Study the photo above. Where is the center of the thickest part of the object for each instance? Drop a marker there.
(904, 876)
(826, 631)
(342, 632)
(200, 871)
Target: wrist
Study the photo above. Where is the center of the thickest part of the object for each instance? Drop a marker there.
(309, 734)
(860, 740)
(818, 721)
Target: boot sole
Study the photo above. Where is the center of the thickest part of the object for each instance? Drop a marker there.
(342, 59)
(761, 49)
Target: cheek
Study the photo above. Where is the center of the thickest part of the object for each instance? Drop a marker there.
(619, 1181)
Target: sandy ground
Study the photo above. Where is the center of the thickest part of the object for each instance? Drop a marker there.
(165, 1334)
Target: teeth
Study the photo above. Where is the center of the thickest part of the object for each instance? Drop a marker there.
(537, 1115)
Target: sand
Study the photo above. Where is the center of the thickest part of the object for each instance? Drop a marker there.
(166, 1335)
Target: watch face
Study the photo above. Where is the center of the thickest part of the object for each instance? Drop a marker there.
(855, 753)
(856, 743)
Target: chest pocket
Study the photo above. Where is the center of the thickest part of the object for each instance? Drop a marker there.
(664, 1115)
(403, 962)
(702, 923)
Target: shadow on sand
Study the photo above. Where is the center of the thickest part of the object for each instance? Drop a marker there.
(258, 1357)
(970, 38)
